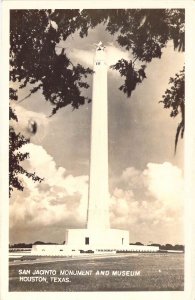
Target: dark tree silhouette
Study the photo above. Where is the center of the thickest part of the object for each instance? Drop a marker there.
(132, 76)
(33, 40)
(34, 61)
(174, 99)
(35, 35)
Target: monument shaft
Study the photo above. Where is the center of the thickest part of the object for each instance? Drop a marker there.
(98, 235)
(98, 206)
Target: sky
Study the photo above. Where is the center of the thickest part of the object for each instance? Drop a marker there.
(145, 177)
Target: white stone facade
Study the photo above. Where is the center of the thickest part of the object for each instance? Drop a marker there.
(97, 239)
(65, 250)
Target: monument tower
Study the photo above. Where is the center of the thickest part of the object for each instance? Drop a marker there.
(98, 206)
(98, 234)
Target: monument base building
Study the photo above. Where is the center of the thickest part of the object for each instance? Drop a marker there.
(85, 241)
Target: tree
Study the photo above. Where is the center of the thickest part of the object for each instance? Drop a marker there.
(33, 61)
(145, 34)
(35, 35)
(174, 98)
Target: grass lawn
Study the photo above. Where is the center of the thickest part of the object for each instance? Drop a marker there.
(155, 272)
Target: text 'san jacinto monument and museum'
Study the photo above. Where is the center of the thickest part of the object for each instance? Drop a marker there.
(98, 236)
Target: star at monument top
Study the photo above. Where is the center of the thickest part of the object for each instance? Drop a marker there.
(100, 46)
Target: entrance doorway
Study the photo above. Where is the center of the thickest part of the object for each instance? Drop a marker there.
(87, 241)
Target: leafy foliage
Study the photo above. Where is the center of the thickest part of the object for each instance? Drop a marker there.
(132, 76)
(16, 141)
(34, 61)
(145, 33)
(174, 99)
(177, 28)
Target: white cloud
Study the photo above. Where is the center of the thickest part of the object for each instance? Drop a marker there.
(113, 54)
(165, 183)
(148, 203)
(60, 199)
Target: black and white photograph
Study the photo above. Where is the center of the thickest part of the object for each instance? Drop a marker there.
(96, 149)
